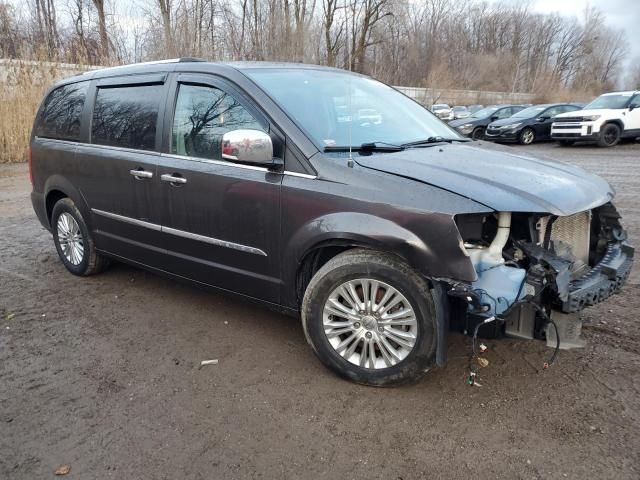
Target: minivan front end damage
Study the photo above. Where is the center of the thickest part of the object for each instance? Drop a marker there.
(535, 272)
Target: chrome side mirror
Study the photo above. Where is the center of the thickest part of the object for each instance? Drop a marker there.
(248, 146)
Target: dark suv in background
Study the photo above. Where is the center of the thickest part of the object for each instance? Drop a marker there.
(475, 125)
(381, 230)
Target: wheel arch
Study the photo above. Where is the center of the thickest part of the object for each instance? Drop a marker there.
(615, 121)
(321, 239)
(58, 187)
(319, 254)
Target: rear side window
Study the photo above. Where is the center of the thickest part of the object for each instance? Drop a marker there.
(60, 114)
(126, 116)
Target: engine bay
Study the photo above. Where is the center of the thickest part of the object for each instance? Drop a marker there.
(534, 267)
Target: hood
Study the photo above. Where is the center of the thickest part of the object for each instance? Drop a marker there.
(584, 113)
(499, 180)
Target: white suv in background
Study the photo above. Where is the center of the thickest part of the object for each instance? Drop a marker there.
(606, 120)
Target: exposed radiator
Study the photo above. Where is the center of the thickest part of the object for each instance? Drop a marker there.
(570, 238)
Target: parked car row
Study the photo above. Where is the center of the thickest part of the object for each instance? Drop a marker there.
(607, 120)
(444, 112)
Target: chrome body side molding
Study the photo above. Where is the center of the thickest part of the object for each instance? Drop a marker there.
(181, 233)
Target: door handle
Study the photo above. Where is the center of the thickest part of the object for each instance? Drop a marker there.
(140, 174)
(167, 177)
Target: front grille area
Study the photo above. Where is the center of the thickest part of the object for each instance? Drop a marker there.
(560, 127)
(569, 119)
(569, 238)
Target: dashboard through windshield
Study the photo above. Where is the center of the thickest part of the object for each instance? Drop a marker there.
(339, 108)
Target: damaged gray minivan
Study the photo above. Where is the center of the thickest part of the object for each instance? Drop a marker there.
(326, 195)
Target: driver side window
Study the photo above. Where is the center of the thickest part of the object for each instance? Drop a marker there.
(203, 115)
(552, 112)
(504, 113)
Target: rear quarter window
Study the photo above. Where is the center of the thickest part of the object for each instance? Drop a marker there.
(61, 111)
(126, 116)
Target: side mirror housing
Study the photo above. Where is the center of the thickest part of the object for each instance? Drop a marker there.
(494, 118)
(248, 146)
(633, 106)
(542, 119)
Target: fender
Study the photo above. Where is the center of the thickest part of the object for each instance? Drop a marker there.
(432, 247)
(62, 184)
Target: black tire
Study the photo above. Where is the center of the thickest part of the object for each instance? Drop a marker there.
(357, 264)
(478, 133)
(527, 136)
(91, 261)
(565, 143)
(609, 135)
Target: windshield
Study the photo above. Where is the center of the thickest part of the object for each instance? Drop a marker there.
(340, 109)
(485, 112)
(530, 112)
(610, 101)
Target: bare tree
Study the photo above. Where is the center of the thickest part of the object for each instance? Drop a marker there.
(467, 44)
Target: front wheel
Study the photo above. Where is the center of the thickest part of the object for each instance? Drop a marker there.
(73, 241)
(478, 133)
(371, 318)
(609, 135)
(527, 136)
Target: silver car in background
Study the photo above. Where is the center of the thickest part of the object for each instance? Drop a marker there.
(460, 111)
(442, 111)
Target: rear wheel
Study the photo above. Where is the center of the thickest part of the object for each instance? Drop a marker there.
(478, 133)
(370, 318)
(609, 135)
(527, 136)
(73, 241)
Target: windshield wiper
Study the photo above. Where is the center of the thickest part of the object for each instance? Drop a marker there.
(434, 140)
(366, 147)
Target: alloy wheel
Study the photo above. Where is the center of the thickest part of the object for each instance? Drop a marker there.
(527, 136)
(70, 238)
(370, 323)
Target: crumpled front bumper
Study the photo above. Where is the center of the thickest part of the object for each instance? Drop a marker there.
(603, 280)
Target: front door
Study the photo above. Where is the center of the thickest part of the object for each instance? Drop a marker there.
(543, 127)
(221, 220)
(632, 120)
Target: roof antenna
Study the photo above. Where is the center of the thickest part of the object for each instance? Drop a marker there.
(350, 159)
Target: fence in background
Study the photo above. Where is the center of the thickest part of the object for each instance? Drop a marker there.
(429, 96)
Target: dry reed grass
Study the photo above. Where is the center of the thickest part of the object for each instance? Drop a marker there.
(22, 87)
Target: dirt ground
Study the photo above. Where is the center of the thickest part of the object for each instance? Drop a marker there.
(102, 374)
